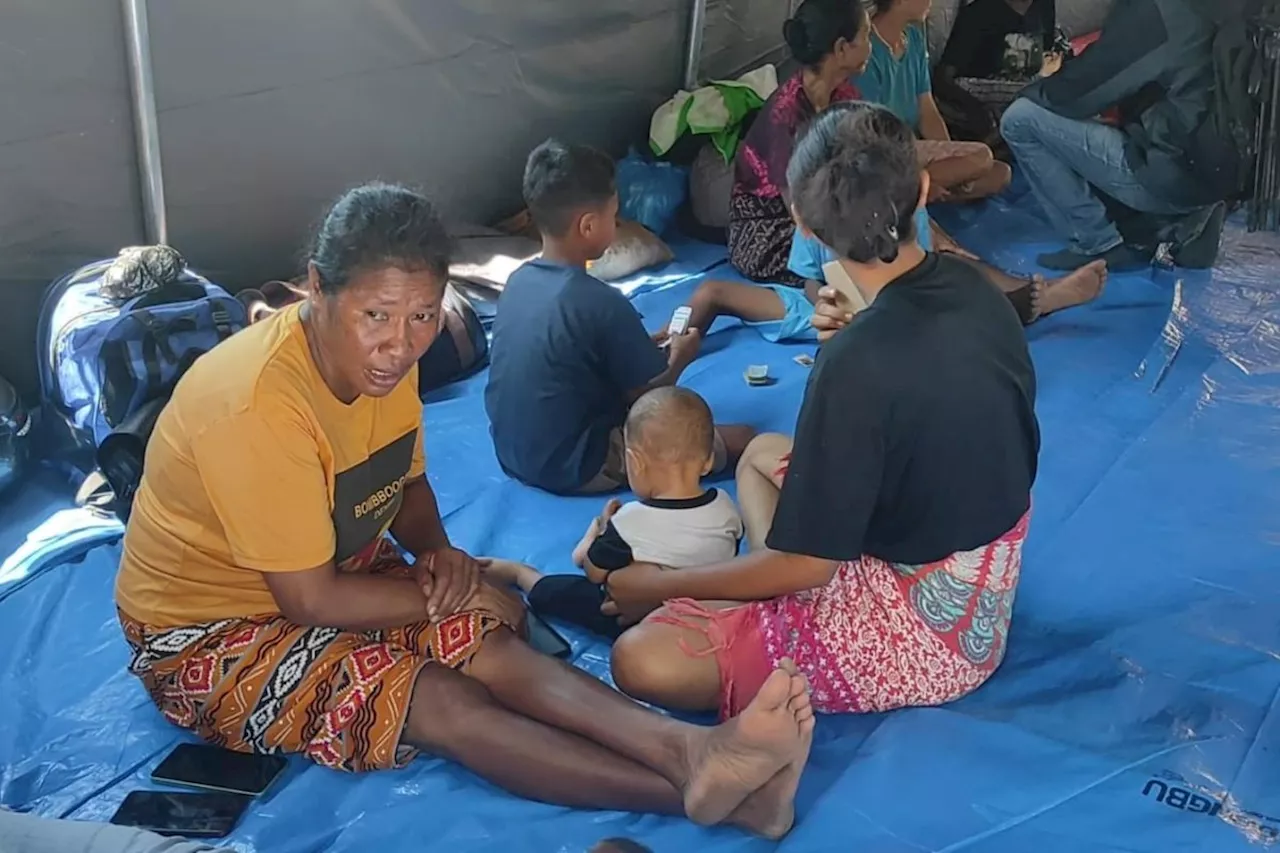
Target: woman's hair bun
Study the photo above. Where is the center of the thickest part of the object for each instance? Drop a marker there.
(796, 36)
(817, 26)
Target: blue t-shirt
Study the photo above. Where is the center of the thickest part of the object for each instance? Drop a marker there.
(898, 82)
(809, 255)
(567, 348)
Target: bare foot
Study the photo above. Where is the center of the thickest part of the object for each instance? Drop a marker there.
(742, 756)
(509, 573)
(1079, 287)
(770, 812)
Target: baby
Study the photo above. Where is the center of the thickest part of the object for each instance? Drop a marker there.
(669, 439)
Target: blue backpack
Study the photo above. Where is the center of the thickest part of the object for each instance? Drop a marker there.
(102, 360)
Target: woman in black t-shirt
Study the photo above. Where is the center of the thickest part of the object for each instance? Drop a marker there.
(887, 542)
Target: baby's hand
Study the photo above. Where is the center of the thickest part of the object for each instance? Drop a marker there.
(594, 529)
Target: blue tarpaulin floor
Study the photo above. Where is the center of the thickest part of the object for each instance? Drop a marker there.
(1136, 710)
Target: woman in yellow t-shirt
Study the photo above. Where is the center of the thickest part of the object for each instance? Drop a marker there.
(269, 609)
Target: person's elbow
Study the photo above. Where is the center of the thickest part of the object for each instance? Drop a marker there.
(811, 572)
(305, 598)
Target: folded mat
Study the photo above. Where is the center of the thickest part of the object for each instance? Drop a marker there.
(1136, 710)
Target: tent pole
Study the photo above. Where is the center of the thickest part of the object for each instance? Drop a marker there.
(146, 128)
(693, 47)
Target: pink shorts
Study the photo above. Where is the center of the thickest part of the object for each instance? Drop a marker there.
(737, 642)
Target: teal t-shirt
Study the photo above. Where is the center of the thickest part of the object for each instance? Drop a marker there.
(898, 83)
(809, 255)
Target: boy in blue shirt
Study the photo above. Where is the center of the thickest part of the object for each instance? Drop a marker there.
(569, 353)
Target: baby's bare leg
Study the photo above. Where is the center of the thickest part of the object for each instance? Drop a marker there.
(510, 573)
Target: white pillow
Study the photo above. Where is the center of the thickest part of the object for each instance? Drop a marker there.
(634, 248)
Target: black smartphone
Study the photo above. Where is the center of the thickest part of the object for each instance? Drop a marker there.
(194, 765)
(203, 815)
(544, 638)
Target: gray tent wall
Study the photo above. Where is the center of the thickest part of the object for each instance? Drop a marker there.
(68, 179)
(267, 110)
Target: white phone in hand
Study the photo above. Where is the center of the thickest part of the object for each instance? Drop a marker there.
(839, 279)
(680, 321)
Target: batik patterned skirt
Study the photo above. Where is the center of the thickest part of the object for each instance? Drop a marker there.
(760, 234)
(264, 684)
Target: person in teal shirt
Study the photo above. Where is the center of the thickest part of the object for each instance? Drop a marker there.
(898, 77)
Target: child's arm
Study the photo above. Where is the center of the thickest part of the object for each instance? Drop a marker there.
(631, 360)
(681, 351)
(582, 554)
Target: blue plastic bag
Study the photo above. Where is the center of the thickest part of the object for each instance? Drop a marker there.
(651, 192)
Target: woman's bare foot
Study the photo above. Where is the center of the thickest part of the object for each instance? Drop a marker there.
(1081, 286)
(509, 573)
(770, 812)
(742, 756)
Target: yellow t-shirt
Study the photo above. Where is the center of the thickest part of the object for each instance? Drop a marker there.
(254, 466)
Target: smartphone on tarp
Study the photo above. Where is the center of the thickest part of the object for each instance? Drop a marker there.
(191, 815)
(192, 765)
(545, 639)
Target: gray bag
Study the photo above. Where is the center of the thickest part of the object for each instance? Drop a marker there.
(710, 186)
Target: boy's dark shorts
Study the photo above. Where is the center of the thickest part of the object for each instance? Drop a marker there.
(613, 474)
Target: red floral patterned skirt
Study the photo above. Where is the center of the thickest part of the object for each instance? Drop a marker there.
(879, 636)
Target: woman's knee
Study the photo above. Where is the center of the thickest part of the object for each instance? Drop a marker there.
(980, 157)
(652, 663)
(764, 454)
(637, 664)
(505, 604)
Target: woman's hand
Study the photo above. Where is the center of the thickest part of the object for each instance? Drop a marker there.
(831, 313)
(1052, 64)
(448, 578)
(503, 603)
(630, 593)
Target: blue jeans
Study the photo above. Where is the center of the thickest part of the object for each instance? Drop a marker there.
(1064, 159)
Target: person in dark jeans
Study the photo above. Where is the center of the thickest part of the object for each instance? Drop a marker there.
(1153, 62)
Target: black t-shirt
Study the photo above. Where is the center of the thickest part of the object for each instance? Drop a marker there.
(918, 436)
(567, 350)
(979, 45)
